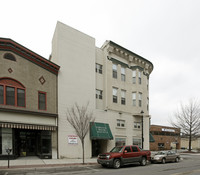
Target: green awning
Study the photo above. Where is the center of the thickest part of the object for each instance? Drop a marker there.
(151, 139)
(100, 131)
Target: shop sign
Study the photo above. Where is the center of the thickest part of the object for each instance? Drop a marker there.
(168, 130)
(72, 139)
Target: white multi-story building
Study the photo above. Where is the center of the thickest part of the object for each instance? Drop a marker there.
(115, 82)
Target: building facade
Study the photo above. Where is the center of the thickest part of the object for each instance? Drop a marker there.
(28, 102)
(165, 138)
(115, 82)
(195, 145)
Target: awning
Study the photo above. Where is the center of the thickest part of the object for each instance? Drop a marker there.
(151, 139)
(27, 126)
(100, 131)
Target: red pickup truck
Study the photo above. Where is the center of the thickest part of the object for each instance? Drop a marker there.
(123, 155)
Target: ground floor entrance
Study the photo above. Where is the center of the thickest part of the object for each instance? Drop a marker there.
(25, 142)
(32, 143)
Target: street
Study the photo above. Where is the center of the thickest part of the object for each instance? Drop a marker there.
(190, 165)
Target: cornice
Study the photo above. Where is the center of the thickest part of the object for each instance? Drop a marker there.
(130, 57)
(10, 45)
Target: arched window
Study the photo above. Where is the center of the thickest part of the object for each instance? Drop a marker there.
(9, 56)
(12, 92)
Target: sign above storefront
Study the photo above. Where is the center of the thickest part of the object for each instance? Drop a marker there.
(168, 130)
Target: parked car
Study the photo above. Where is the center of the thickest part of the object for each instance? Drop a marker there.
(123, 155)
(165, 156)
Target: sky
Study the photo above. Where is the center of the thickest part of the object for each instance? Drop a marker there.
(165, 32)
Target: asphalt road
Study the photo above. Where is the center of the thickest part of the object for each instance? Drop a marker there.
(190, 165)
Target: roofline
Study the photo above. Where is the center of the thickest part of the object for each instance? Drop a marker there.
(10, 45)
(113, 43)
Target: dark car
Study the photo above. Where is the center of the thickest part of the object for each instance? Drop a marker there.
(165, 156)
(124, 155)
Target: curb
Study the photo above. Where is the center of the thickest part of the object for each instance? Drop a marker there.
(42, 166)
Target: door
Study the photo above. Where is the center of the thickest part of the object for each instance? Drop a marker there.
(127, 155)
(95, 148)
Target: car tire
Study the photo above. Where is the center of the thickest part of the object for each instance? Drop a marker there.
(177, 159)
(163, 160)
(143, 161)
(116, 163)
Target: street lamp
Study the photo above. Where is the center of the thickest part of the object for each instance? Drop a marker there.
(142, 112)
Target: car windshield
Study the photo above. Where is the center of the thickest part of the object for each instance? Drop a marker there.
(161, 153)
(117, 149)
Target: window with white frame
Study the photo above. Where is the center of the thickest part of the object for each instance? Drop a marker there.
(115, 95)
(134, 76)
(123, 75)
(99, 94)
(99, 68)
(139, 77)
(121, 123)
(123, 97)
(137, 141)
(140, 99)
(134, 98)
(137, 125)
(114, 68)
(120, 141)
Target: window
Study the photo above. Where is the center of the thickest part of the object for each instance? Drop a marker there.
(12, 93)
(120, 141)
(21, 97)
(134, 98)
(114, 68)
(140, 99)
(99, 94)
(134, 148)
(114, 95)
(134, 76)
(1, 94)
(137, 125)
(137, 142)
(9, 56)
(123, 76)
(99, 68)
(161, 145)
(42, 100)
(127, 149)
(121, 123)
(123, 97)
(140, 77)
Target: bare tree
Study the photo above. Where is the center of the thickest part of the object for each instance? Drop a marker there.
(188, 119)
(80, 117)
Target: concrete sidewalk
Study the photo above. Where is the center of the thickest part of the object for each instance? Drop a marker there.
(34, 162)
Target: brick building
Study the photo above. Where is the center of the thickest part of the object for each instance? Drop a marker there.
(165, 138)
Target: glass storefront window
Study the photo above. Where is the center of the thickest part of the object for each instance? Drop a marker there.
(137, 142)
(6, 140)
(120, 141)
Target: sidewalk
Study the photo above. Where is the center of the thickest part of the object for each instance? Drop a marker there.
(34, 162)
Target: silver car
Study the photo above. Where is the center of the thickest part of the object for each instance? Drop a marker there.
(165, 156)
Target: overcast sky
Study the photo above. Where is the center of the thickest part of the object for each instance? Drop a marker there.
(166, 32)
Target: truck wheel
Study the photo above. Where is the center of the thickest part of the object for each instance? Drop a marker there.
(116, 163)
(143, 161)
(163, 161)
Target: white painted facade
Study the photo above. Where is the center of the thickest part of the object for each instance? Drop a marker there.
(77, 56)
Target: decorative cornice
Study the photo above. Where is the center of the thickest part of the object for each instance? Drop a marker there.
(10, 45)
(129, 56)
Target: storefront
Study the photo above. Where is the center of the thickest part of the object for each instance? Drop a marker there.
(100, 134)
(26, 140)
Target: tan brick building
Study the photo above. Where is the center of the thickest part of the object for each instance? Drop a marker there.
(165, 138)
